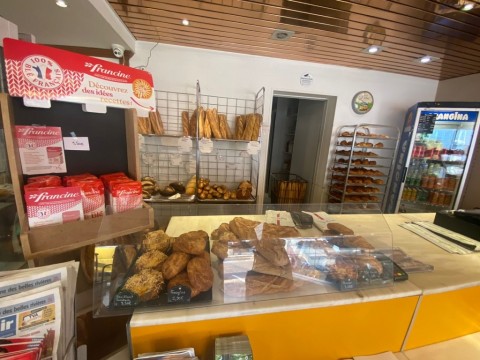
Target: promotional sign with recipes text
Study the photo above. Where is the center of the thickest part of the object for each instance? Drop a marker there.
(44, 73)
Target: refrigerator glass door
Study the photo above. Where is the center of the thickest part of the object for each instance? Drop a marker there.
(437, 162)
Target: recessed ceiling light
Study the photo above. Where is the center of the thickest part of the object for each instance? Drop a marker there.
(468, 6)
(373, 49)
(61, 3)
(185, 22)
(282, 34)
(426, 59)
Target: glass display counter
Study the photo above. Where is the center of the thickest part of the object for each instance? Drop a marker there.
(216, 255)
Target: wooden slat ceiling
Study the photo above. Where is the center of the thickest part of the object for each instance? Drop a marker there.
(325, 31)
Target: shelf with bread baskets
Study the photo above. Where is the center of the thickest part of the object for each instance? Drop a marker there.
(208, 150)
(361, 165)
(120, 127)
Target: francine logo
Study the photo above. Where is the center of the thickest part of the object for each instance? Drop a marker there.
(47, 196)
(42, 71)
(38, 131)
(98, 68)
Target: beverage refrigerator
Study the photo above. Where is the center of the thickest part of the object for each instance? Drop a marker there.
(433, 158)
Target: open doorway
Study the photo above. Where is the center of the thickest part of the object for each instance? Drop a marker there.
(300, 136)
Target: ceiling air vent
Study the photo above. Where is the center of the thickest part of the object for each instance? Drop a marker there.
(282, 34)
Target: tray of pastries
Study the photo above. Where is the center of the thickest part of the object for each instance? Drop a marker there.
(164, 270)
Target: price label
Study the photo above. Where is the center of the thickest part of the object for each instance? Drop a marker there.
(253, 147)
(125, 299)
(205, 146)
(179, 294)
(184, 144)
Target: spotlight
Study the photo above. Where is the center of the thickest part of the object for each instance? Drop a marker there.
(468, 6)
(373, 49)
(185, 22)
(61, 3)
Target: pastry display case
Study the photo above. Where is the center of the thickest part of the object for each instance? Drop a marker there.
(253, 254)
(361, 166)
(207, 149)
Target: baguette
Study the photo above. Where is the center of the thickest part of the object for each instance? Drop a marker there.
(156, 122)
(239, 127)
(213, 120)
(249, 126)
(143, 125)
(222, 122)
(207, 129)
(185, 123)
(257, 127)
(201, 122)
(192, 126)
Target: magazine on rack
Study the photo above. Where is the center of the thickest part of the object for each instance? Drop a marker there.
(39, 303)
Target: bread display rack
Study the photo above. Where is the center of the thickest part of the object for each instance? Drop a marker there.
(362, 163)
(210, 145)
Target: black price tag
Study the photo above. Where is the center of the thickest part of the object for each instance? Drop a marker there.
(179, 294)
(125, 299)
(426, 123)
(348, 284)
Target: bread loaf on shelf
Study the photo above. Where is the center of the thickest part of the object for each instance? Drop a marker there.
(156, 123)
(207, 129)
(185, 123)
(213, 120)
(249, 127)
(192, 125)
(239, 127)
(201, 122)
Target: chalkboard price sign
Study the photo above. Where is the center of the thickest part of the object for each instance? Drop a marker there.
(426, 123)
(179, 294)
(125, 299)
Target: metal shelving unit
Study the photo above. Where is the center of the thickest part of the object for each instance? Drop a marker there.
(362, 163)
(224, 161)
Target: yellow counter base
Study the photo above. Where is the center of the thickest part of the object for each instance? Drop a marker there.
(326, 333)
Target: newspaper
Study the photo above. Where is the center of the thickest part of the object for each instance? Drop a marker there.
(58, 278)
(34, 315)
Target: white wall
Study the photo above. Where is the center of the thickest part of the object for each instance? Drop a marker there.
(176, 68)
(465, 88)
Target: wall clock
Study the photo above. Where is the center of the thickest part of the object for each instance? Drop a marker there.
(362, 102)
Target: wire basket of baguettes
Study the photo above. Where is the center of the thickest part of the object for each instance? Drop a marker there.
(288, 188)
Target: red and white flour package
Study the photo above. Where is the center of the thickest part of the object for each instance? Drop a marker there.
(93, 197)
(41, 149)
(67, 180)
(47, 180)
(47, 206)
(126, 196)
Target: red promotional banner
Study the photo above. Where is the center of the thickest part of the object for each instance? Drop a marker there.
(44, 73)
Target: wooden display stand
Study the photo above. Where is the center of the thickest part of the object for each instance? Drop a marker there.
(113, 147)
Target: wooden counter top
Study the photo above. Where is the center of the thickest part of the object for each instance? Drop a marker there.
(451, 271)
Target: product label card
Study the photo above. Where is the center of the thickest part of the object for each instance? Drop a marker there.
(41, 149)
(76, 143)
(185, 144)
(206, 146)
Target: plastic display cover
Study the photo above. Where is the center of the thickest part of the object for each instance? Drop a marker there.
(256, 253)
